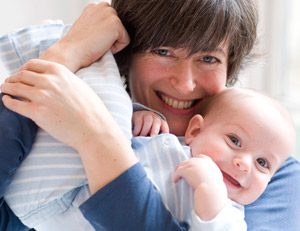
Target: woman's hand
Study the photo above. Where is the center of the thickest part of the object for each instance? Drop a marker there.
(53, 97)
(97, 30)
(64, 106)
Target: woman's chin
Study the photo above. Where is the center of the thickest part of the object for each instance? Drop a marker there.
(178, 128)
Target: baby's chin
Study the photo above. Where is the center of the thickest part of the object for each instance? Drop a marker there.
(242, 198)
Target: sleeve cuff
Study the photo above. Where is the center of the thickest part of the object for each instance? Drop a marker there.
(230, 218)
(129, 177)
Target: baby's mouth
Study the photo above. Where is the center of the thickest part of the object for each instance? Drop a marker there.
(175, 103)
(229, 179)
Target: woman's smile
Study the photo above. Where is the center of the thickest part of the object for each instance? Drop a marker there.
(177, 104)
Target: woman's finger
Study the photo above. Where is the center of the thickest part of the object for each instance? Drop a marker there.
(122, 41)
(19, 90)
(40, 66)
(22, 107)
(26, 77)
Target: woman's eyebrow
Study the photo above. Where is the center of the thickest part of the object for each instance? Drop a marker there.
(220, 50)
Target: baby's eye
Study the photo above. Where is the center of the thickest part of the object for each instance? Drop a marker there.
(235, 140)
(263, 162)
(209, 59)
(161, 52)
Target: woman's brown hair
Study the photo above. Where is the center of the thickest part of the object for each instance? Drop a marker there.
(196, 25)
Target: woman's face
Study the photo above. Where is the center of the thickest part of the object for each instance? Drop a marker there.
(173, 83)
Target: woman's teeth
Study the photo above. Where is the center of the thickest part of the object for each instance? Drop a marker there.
(177, 104)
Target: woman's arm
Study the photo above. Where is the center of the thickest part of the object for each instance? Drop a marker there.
(130, 202)
(69, 110)
(97, 30)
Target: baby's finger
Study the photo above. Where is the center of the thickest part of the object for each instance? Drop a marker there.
(156, 127)
(137, 125)
(147, 124)
(164, 128)
(176, 177)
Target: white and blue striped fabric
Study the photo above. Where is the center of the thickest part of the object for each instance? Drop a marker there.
(50, 177)
(22, 45)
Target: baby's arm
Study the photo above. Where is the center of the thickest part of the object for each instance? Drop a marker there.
(148, 123)
(204, 176)
(213, 210)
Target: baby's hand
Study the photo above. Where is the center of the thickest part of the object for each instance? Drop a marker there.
(204, 176)
(198, 170)
(147, 123)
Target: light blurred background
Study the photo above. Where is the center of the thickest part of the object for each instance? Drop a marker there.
(277, 73)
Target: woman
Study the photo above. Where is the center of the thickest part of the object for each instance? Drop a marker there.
(171, 67)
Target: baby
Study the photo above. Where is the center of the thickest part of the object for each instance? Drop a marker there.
(231, 152)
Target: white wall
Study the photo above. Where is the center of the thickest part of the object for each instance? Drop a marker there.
(19, 13)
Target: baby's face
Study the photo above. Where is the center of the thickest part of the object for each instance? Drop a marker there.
(248, 143)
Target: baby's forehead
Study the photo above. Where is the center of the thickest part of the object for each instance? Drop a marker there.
(266, 117)
(238, 99)
(254, 105)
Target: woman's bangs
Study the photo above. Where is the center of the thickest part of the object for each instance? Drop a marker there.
(196, 27)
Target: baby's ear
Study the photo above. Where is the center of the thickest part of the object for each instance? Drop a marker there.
(194, 128)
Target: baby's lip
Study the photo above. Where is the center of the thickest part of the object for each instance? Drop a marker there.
(229, 180)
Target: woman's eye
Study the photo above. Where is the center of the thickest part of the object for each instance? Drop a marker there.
(235, 140)
(161, 52)
(262, 162)
(209, 59)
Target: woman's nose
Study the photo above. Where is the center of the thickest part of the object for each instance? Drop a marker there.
(183, 78)
(243, 163)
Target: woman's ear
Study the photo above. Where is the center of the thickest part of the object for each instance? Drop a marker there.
(194, 128)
